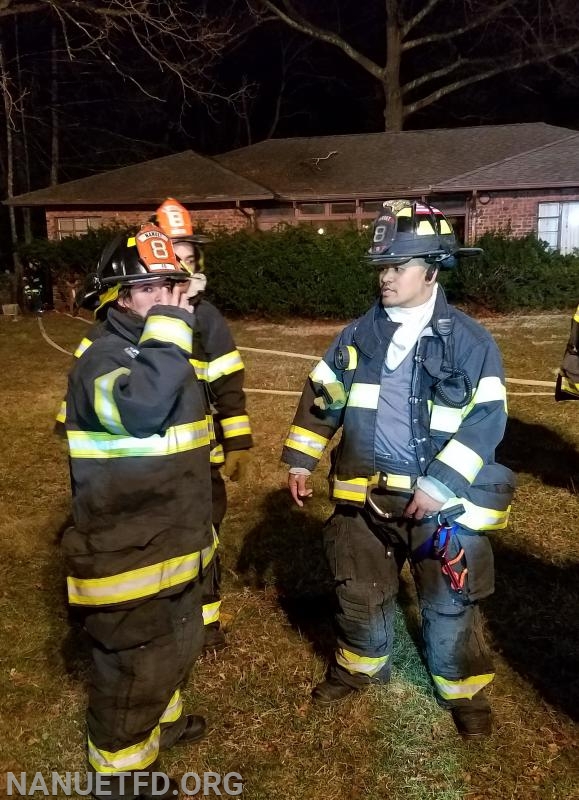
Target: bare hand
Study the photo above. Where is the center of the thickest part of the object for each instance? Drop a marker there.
(176, 296)
(298, 489)
(422, 504)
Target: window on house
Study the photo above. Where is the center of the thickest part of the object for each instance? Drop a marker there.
(343, 208)
(312, 209)
(268, 212)
(558, 225)
(76, 226)
(372, 206)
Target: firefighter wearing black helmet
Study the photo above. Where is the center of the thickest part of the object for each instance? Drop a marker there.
(417, 389)
(142, 538)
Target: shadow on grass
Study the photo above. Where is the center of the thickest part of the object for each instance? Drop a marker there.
(285, 550)
(75, 643)
(534, 620)
(540, 451)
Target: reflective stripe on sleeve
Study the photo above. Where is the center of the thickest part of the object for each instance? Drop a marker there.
(174, 709)
(224, 365)
(353, 490)
(235, 426)
(479, 518)
(211, 612)
(353, 354)
(61, 416)
(201, 369)
(308, 442)
(322, 373)
(177, 439)
(462, 689)
(461, 458)
(355, 664)
(217, 456)
(364, 395)
(104, 403)
(489, 390)
(569, 387)
(136, 757)
(83, 347)
(168, 329)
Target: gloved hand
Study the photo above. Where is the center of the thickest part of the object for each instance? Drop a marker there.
(332, 397)
(236, 463)
(197, 284)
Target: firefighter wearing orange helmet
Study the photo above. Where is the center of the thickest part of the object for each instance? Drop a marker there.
(218, 364)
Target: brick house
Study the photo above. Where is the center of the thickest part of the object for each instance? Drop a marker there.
(524, 178)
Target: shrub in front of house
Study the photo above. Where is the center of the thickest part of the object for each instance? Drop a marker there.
(294, 271)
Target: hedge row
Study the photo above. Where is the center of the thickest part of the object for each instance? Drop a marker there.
(297, 272)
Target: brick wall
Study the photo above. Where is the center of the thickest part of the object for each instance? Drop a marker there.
(210, 219)
(516, 211)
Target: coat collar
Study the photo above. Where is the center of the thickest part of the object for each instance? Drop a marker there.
(374, 330)
(129, 326)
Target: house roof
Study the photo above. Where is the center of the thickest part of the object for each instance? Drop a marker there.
(190, 177)
(366, 165)
(552, 165)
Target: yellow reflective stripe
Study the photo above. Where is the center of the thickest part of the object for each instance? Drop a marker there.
(353, 353)
(168, 329)
(398, 481)
(465, 688)
(61, 416)
(211, 612)
(308, 442)
(461, 458)
(208, 552)
(354, 489)
(489, 389)
(136, 757)
(443, 418)
(479, 518)
(568, 386)
(321, 373)
(135, 583)
(364, 395)
(83, 347)
(224, 365)
(174, 709)
(177, 439)
(354, 663)
(217, 456)
(236, 426)
(104, 403)
(201, 368)
(576, 315)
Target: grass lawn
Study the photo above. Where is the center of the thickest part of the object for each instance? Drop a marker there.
(391, 742)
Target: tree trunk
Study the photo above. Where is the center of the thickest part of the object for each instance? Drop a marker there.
(393, 109)
(54, 132)
(26, 217)
(8, 112)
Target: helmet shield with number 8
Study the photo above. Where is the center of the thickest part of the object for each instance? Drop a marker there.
(407, 229)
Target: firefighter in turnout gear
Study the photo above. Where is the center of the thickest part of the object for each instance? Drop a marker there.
(568, 379)
(417, 389)
(142, 539)
(218, 364)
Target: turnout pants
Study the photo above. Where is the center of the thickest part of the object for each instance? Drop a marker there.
(366, 554)
(142, 658)
(211, 581)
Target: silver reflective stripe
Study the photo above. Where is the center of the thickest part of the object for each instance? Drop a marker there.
(235, 426)
(461, 458)
(308, 442)
(174, 709)
(168, 329)
(445, 419)
(465, 688)
(99, 444)
(321, 373)
(354, 663)
(132, 758)
(211, 612)
(224, 365)
(364, 395)
(105, 407)
(136, 583)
